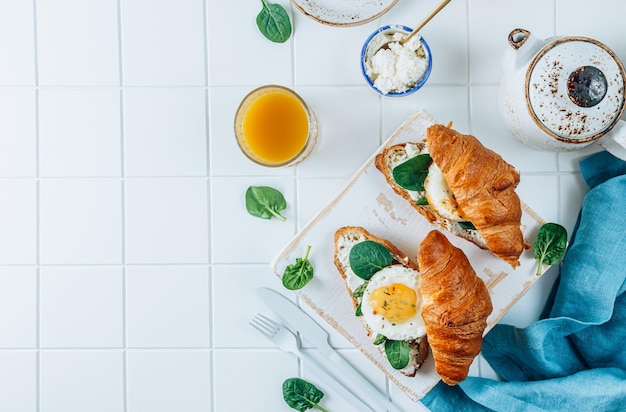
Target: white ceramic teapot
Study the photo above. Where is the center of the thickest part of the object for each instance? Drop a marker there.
(563, 93)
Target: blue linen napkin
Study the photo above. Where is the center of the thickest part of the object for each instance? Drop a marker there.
(574, 357)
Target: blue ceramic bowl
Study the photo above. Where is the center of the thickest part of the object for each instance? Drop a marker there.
(390, 29)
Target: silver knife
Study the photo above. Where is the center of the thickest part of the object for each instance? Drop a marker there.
(300, 321)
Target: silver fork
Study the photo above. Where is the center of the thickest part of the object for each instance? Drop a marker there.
(286, 341)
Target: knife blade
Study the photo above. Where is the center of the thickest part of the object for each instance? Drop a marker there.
(312, 332)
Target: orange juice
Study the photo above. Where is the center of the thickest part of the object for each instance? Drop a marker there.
(275, 127)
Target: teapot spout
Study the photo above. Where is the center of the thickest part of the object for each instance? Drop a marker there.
(524, 46)
(519, 37)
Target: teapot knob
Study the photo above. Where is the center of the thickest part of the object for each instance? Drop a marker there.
(586, 86)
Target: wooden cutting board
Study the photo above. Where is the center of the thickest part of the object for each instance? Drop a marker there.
(367, 200)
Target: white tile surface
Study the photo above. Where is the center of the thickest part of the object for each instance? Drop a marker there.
(162, 43)
(18, 307)
(489, 26)
(435, 100)
(128, 261)
(167, 306)
(263, 62)
(166, 221)
(349, 128)
(17, 43)
(544, 205)
(18, 221)
(229, 213)
(255, 381)
(163, 381)
(231, 327)
(572, 189)
(79, 133)
(165, 132)
(77, 43)
(80, 221)
(18, 378)
(76, 381)
(18, 128)
(323, 63)
(608, 12)
(81, 306)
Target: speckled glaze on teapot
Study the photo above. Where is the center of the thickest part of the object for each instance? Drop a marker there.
(563, 93)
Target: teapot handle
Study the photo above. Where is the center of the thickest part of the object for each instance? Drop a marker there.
(614, 142)
(518, 37)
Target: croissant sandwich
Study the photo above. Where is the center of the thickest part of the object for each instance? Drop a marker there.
(404, 309)
(454, 181)
(455, 306)
(383, 284)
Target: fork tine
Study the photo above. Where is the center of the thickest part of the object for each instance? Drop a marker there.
(272, 322)
(265, 325)
(262, 328)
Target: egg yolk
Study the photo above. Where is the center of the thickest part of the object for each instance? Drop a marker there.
(396, 302)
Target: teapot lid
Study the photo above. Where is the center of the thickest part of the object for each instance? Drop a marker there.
(575, 89)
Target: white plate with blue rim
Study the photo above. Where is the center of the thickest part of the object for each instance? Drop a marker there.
(344, 12)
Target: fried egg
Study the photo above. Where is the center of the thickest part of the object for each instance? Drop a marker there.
(392, 303)
(439, 195)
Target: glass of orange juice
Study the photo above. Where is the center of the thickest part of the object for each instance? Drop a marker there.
(275, 127)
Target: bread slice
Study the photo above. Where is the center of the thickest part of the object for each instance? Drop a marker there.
(345, 238)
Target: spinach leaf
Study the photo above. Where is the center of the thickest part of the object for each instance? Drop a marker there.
(550, 245)
(368, 257)
(412, 173)
(302, 395)
(358, 292)
(273, 22)
(359, 310)
(296, 276)
(422, 201)
(467, 225)
(379, 339)
(398, 353)
(265, 202)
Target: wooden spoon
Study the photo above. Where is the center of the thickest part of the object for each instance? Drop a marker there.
(419, 27)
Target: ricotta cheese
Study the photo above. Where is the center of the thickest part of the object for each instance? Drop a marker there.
(398, 67)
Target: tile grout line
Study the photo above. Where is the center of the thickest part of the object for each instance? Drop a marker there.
(123, 209)
(209, 205)
(38, 215)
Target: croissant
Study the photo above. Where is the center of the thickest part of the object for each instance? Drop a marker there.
(456, 304)
(484, 187)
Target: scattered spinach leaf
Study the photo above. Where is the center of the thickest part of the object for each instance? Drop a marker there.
(412, 173)
(273, 22)
(379, 339)
(550, 245)
(368, 257)
(302, 395)
(398, 353)
(467, 225)
(265, 202)
(297, 275)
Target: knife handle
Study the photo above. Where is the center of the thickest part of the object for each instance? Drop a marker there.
(352, 375)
